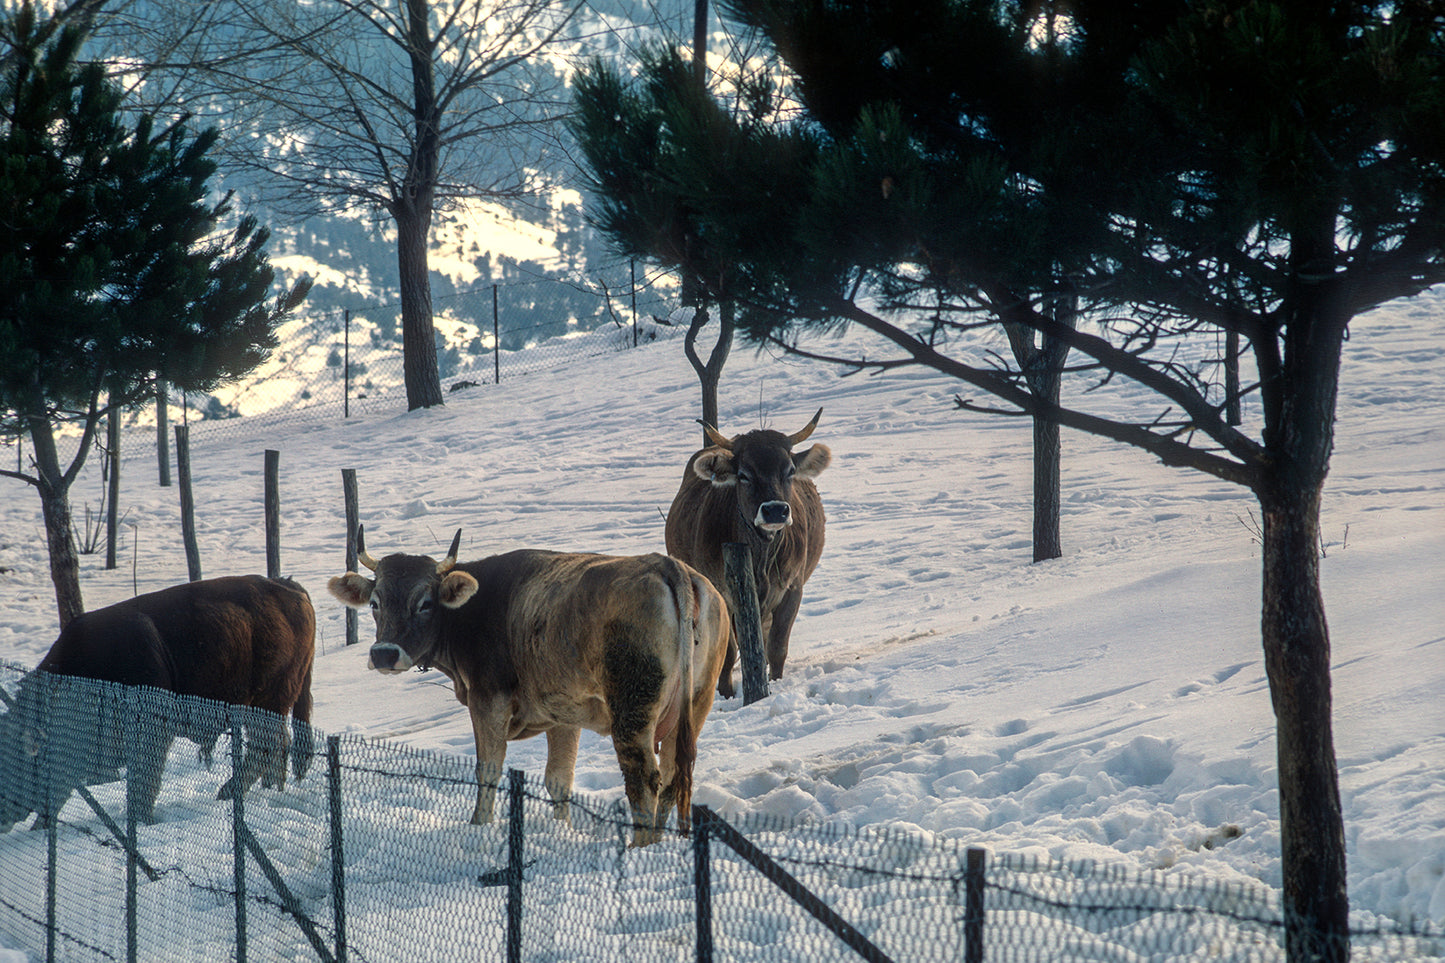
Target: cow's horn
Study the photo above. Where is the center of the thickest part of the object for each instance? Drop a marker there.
(802, 436)
(716, 437)
(361, 555)
(445, 565)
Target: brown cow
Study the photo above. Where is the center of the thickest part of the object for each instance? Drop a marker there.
(246, 640)
(549, 642)
(752, 489)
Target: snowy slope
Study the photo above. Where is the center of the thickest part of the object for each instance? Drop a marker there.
(1110, 704)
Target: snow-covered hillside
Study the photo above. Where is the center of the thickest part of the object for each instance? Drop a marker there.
(1110, 704)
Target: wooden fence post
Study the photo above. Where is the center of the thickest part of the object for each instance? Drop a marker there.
(273, 514)
(747, 622)
(353, 515)
(163, 443)
(112, 512)
(188, 503)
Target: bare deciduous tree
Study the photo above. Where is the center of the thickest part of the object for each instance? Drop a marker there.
(391, 108)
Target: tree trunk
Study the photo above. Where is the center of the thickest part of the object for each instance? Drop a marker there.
(710, 373)
(1298, 437)
(1042, 366)
(1048, 453)
(1297, 660)
(412, 211)
(418, 338)
(59, 533)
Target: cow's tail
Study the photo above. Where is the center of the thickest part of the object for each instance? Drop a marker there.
(685, 746)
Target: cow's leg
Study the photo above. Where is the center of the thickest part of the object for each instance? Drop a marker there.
(489, 728)
(561, 764)
(302, 745)
(782, 627)
(146, 760)
(265, 758)
(634, 699)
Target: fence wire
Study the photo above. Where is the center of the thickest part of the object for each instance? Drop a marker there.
(370, 858)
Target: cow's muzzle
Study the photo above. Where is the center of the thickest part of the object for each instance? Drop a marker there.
(773, 516)
(388, 657)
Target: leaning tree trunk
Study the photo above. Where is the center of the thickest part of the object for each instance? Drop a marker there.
(59, 532)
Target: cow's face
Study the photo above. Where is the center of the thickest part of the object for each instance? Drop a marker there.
(405, 599)
(762, 467)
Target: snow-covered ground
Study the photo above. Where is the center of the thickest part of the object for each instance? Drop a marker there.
(1107, 705)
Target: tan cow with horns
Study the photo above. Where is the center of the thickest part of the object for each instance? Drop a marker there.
(550, 642)
(753, 489)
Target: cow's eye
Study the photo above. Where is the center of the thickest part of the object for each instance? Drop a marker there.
(745, 478)
(375, 605)
(424, 606)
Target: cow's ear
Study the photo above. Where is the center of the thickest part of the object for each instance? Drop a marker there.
(457, 588)
(716, 466)
(352, 589)
(810, 463)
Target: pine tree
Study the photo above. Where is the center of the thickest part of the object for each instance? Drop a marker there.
(1264, 168)
(117, 271)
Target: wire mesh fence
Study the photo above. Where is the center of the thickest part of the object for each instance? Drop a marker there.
(369, 857)
(347, 361)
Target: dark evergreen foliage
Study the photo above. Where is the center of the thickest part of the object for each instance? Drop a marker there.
(1267, 169)
(116, 269)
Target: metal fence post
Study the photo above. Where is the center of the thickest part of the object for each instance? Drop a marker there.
(973, 877)
(353, 517)
(515, 815)
(134, 765)
(51, 812)
(338, 873)
(496, 342)
(346, 366)
(702, 882)
(238, 846)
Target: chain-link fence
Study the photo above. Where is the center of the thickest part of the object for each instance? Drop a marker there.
(349, 360)
(370, 858)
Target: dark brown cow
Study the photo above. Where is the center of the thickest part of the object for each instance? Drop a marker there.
(245, 640)
(549, 642)
(752, 489)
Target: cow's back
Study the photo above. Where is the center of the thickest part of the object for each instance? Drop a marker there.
(243, 639)
(246, 640)
(540, 624)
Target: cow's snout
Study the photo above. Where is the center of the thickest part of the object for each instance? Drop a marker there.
(388, 657)
(774, 515)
